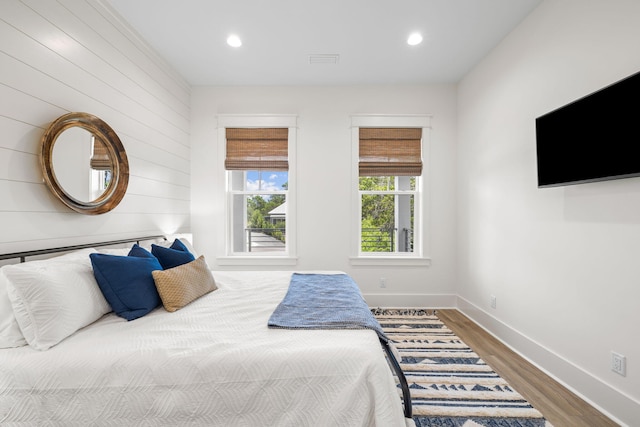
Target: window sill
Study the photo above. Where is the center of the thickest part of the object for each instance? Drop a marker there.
(257, 260)
(385, 260)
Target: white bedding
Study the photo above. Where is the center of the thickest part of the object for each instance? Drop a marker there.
(212, 363)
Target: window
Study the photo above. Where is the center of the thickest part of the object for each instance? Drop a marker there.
(389, 187)
(258, 176)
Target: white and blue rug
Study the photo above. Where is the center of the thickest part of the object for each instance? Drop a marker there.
(450, 384)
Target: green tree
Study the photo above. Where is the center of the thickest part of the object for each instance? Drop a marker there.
(258, 208)
(378, 210)
(256, 219)
(375, 239)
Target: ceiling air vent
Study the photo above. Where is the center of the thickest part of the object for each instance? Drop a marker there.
(327, 58)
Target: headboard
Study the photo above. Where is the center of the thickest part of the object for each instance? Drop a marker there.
(24, 255)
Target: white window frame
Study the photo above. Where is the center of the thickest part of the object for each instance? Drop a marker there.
(419, 255)
(284, 258)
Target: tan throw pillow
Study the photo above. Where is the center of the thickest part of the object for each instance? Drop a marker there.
(178, 286)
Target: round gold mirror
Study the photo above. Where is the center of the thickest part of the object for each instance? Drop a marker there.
(84, 163)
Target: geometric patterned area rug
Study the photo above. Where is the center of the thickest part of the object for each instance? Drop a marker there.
(450, 385)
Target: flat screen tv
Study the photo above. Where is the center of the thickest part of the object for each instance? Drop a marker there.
(594, 138)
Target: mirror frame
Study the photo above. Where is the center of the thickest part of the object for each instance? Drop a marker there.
(120, 172)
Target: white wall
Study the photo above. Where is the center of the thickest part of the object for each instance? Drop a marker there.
(74, 55)
(324, 176)
(563, 263)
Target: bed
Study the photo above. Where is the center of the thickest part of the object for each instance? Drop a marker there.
(213, 362)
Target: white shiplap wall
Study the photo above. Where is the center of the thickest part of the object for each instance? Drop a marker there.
(77, 55)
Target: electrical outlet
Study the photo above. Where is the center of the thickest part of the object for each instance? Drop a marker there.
(493, 301)
(383, 282)
(618, 363)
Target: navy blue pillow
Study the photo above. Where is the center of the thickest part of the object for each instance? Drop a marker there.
(127, 283)
(139, 251)
(173, 256)
(177, 244)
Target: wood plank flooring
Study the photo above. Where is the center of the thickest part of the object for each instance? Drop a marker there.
(558, 405)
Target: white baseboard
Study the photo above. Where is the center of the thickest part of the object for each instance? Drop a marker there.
(411, 300)
(593, 390)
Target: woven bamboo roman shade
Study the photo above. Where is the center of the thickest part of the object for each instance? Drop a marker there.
(390, 152)
(257, 149)
(100, 159)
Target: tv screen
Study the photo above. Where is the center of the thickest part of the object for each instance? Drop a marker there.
(595, 138)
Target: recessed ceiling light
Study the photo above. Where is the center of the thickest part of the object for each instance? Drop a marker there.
(234, 41)
(414, 39)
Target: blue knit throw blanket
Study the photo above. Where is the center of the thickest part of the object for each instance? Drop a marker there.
(324, 301)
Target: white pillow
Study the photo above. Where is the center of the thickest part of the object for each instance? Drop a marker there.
(10, 335)
(53, 298)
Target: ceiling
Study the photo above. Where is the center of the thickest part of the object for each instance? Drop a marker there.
(279, 36)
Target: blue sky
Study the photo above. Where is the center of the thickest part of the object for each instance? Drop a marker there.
(265, 180)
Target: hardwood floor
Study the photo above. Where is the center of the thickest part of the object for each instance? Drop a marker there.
(557, 404)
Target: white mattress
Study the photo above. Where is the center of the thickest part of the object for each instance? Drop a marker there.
(213, 363)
